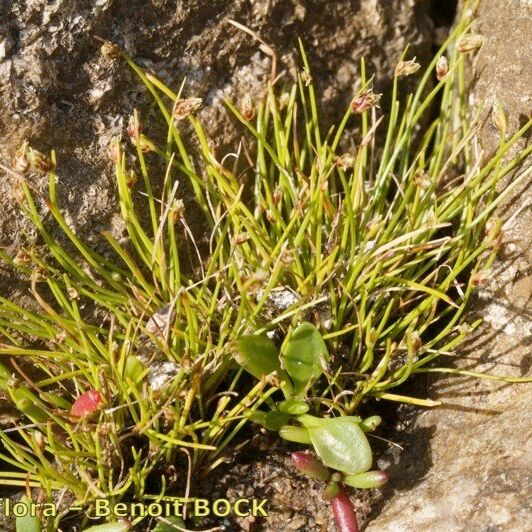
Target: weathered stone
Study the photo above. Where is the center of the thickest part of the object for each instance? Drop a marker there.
(481, 440)
(58, 91)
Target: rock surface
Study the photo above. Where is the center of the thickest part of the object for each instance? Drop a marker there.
(57, 91)
(481, 438)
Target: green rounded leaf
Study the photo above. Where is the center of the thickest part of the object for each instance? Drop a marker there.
(272, 420)
(28, 522)
(295, 434)
(304, 356)
(257, 355)
(134, 368)
(293, 407)
(370, 423)
(339, 442)
(275, 420)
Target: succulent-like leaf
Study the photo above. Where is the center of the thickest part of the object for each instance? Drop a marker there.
(134, 368)
(331, 491)
(370, 423)
(272, 420)
(27, 522)
(309, 466)
(295, 434)
(29, 404)
(344, 513)
(304, 356)
(257, 355)
(366, 480)
(55, 399)
(339, 442)
(5, 375)
(87, 403)
(293, 407)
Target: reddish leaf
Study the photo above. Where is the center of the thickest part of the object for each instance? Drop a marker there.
(344, 513)
(87, 403)
(310, 466)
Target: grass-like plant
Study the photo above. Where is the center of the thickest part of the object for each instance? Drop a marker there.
(125, 380)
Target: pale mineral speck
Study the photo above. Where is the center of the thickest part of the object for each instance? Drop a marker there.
(502, 319)
(161, 374)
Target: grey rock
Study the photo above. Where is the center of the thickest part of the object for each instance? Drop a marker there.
(478, 453)
(57, 91)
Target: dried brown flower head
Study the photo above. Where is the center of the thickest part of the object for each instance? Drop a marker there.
(38, 161)
(247, 108)
(113, 149)
(345, 161)
(20, 161)
(365, 101)
(185, 106)
(110, 50)
(406, 68)
(133, 127)
(442, 68)
(470, 43)
(499, 117)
